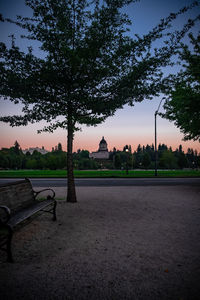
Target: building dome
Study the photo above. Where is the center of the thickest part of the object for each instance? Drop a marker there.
(103, 141)
(102, 152)
(103, 145)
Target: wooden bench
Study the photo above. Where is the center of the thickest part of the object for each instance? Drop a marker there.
(18, 204)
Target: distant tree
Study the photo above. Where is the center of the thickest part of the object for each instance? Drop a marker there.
(125, 148)
(183, 102)
(117, 161)
(31, 164)
(84, 154)
(182, 160)
(148, 149)
(146, 160)
(180, 149)
(130, 149)
(23, 161)
(162, 147)
(112, 155)
(4, 162)
(92, 67)
(84, 164)
(168, 160)
(17, 147)
(59, 147)
(139, 149)
(93, 164)
(126, 157)
(198, 161)
(42, 163)
(36, 154)
(138, 154)
(52, 162)
(133, 160)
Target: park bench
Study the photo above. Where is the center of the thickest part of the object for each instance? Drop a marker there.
(19, 203)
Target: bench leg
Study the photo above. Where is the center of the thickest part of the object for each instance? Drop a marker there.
(9, 251)
(54, 211)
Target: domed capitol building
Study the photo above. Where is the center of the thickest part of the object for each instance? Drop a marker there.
(102, 153)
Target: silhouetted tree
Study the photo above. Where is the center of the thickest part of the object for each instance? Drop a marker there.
(117, 161)
(168, 160)
(139, 149)
(146, 160)
(16, 147)
(59, 147)
(183, 103)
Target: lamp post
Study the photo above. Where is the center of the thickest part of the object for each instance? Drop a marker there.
(156, 152)
(126, 160)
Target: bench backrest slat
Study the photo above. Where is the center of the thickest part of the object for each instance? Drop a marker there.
(17, 195)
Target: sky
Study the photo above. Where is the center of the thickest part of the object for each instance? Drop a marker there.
(130, 125)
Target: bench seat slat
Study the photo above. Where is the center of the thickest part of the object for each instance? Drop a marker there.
(25, 213)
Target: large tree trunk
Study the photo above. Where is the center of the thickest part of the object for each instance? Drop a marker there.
(71, 192)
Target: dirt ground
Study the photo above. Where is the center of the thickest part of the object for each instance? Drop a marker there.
(115, 243)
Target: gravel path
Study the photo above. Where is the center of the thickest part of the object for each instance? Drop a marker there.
(115, 243)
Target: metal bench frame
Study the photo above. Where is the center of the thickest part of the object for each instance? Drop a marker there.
(10, 219)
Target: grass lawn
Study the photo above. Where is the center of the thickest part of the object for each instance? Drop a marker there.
(97, 173)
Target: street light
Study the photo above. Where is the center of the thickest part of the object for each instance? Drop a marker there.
(156, 152)
(126, 159)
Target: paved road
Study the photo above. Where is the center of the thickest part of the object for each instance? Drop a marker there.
(60, 182)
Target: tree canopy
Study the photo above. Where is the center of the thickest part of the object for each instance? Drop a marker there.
(91, 68)
(183, 101)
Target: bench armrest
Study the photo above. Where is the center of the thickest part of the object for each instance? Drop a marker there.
(48, 197)
(4, 214)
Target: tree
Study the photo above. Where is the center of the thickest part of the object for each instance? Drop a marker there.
(117, 161)
(181, 160)
(180, 149)
(4, 162)
(168, 160)
(59, 147)
(16, 147)
(125, 148)
(146, 160)
(84, 154)
(31, 164)
(180, 157)
(91, 68)
(139, 149)
(183, 102)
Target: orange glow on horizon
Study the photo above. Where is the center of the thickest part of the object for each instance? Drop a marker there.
(91, 142)
(123, 129)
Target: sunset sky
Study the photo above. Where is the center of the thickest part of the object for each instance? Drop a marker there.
(131, 125)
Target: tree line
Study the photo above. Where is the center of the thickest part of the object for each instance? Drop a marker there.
(142, 158)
